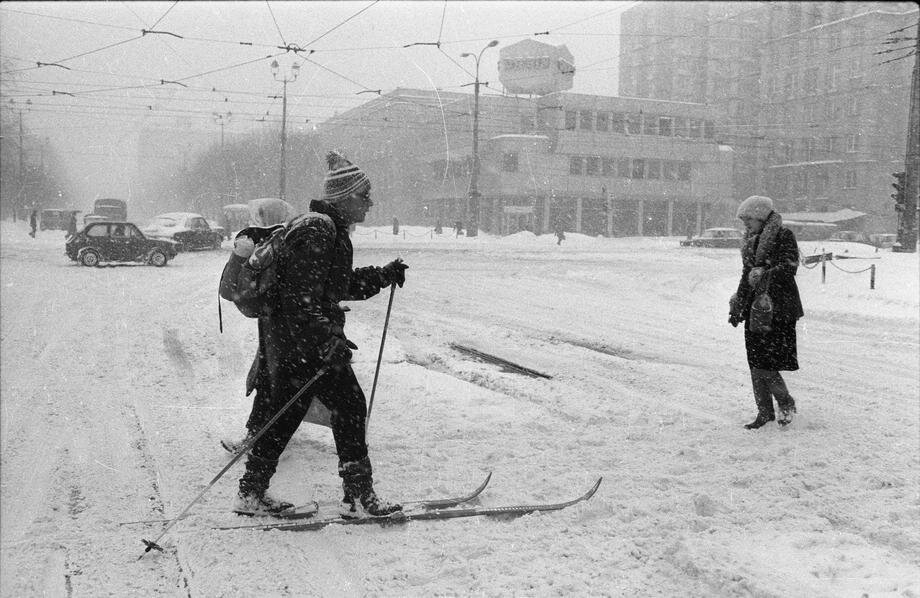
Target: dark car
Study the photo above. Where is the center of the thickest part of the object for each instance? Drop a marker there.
(188, 230)
(117, 242)
(716, 237)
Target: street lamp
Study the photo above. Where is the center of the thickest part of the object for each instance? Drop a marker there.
(472, 228)
(295, 70)
(222, 118)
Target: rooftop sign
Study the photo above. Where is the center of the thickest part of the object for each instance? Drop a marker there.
(531, 67)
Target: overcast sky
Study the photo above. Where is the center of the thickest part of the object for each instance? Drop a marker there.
(205, 57)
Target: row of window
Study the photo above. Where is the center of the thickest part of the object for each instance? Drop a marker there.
(810, 81)
(638, 124)
(630, 168)
(813, 182)
(807, 149)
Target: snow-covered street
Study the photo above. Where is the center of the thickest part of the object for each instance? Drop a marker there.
(117, 386)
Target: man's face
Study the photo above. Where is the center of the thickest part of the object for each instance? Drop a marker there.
(355, 206)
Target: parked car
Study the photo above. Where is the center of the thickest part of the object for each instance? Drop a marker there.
(850, 236)
(188, 230)
(883, 240)
(716, 237)
(217, 228)
(117, 242)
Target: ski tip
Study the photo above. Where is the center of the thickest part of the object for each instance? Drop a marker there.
(597, 485)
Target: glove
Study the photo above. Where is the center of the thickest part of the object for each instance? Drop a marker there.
(395, 272)
(243, 246)
(754, 276)
(734, 311)
(337, 350)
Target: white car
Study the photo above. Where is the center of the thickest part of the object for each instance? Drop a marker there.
(188, 230)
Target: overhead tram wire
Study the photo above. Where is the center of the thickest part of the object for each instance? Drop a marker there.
(72, 20)
(340, 24)
(164, 14)
(272, 13)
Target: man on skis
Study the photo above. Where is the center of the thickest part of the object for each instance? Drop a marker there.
(304, 332)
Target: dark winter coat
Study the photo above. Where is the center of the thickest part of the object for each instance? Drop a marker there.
(315, 273)
(775, 250)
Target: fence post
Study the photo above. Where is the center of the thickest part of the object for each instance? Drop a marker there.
(823, 265)
(375, 234)
(404, 233)
(872, 277)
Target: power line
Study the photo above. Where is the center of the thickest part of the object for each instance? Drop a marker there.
(283, 41)
(342, 23)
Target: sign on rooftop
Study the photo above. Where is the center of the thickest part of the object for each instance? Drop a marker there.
(532, 67)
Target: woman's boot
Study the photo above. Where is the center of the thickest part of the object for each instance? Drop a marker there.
(360, 500)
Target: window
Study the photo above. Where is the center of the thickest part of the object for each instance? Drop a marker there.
(570, 118)
(811, 145)
(665, 126)
(709, 129)
(638, 169)
(789, 85)
(510, 162)
(100, 230)
(650, 125)
(696, 127)
(623, 169)
(833, 76)
(669, 170)
(654, 170)
(834, 41)
(852, 142)
(852, 106)
(683, 170)
(586, 119)
(810, 81)
(632, 124)
(830, 145)
(528, 123)
(602, 121)
(680, 126)
(808, 113)
(821, 180)
(849, 181)
(592, 166)
(576, 165)
(609, 167)
(617, 122)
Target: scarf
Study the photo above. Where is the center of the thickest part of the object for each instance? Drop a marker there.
(757, 246)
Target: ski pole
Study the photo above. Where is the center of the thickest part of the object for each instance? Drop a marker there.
(383, 339)
(243, 450)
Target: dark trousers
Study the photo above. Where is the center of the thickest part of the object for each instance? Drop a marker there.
(338, 390)
(769, 384)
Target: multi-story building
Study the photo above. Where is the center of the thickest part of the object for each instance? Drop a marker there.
(592, 164)
(817, 119)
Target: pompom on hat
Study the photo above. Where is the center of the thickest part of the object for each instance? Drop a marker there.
(756, 206)
(342, 179)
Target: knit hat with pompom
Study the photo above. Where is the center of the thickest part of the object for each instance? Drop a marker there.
(342, 179)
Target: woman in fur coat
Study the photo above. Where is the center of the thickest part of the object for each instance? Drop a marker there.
(770, 259)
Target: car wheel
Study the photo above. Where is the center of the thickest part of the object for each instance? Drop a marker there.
(90, 258)
(158, 258)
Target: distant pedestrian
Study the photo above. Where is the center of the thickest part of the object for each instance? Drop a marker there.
(770, 259)
(395, 225)
(559, 231)
(33, 222)
(437, 227)
(71, 223)
(458, 228)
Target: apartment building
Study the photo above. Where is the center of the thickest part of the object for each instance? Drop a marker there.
(817, 119)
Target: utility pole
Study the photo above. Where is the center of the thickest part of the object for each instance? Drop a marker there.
(295, 70)
(221, 119)
(472, 227)
(907, 231)
(22, 181)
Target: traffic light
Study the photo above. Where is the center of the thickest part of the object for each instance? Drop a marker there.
(899, 197)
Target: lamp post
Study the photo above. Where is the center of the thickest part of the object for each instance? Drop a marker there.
(222, 118)
(472, 228)
(295, 70)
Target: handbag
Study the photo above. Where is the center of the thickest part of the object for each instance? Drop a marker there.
(761, 319)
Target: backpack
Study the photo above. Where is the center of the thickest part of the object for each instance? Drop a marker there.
(250, 285)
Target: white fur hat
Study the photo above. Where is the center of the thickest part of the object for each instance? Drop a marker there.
(756, 206)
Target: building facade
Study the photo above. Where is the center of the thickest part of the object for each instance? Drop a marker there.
(590, 164)
(817, 119)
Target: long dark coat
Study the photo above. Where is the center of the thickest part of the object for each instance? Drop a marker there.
(774, 249)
